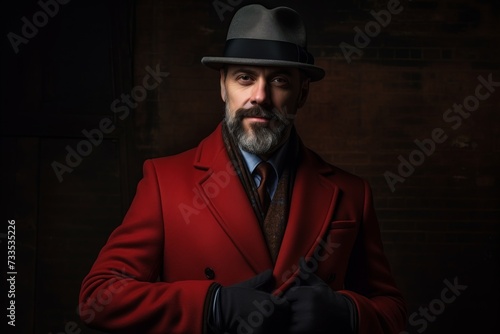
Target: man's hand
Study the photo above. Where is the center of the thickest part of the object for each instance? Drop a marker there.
(316, 308)
(249, 307)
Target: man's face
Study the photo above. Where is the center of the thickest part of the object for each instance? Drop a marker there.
(261, 103)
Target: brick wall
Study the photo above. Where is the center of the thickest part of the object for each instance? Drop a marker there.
(442, 222)
(58, 80)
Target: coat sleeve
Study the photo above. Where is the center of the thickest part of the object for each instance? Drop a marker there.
(121, 293)
(369, 283)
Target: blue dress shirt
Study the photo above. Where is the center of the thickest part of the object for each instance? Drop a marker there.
(277, 161)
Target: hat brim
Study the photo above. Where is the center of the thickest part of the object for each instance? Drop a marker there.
(216, 63)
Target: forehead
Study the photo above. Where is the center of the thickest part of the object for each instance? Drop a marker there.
(263, 70)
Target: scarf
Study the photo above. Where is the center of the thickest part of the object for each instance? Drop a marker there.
(272, 223)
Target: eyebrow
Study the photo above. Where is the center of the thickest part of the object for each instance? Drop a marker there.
(274, 72)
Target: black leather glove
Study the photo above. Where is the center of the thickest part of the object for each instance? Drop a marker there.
(249, 308)
(316, 308)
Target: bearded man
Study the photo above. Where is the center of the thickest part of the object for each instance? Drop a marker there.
(250, 232)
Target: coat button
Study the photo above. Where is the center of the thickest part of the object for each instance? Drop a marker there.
(332, 277)
(209, 273)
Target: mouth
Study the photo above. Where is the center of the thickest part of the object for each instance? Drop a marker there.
(257, 119)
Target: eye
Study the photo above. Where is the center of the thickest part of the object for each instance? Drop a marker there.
(244, 79)
(280, 82)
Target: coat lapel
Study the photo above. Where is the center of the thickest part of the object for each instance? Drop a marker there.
(312, 205)
(226, 199)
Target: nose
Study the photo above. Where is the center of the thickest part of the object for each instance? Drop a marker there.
(260, 93)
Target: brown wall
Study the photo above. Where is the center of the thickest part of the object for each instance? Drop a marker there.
(441, 224)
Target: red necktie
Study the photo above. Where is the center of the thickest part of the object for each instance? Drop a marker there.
(264, 169)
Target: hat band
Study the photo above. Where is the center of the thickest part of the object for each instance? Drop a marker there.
(267, 49)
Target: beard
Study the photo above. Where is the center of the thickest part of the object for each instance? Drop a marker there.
(260, 138)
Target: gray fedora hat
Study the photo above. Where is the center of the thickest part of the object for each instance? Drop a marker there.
(258, 36)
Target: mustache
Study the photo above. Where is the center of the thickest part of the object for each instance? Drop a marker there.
(256, 111)
(259, 111)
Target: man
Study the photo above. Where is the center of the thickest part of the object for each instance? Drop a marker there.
(250, 232)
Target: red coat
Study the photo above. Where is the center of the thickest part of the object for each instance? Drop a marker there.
(191, 224)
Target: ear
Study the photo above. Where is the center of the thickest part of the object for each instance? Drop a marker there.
(304, 92)
(222, 85)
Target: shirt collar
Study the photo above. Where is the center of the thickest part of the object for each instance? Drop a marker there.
(277, 160)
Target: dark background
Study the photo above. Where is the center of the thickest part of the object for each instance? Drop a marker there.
(442, 223)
